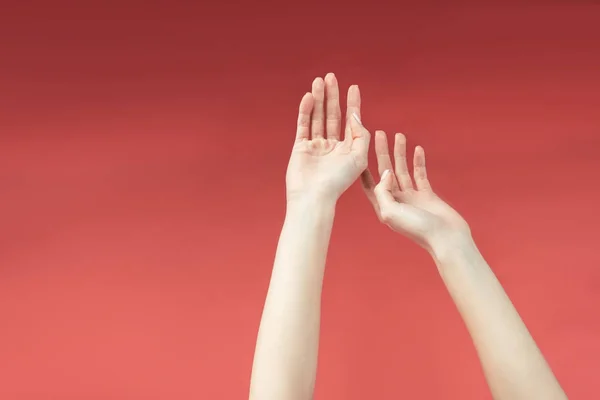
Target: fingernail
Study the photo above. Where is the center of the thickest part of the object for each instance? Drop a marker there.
(356, 118)
(385, 174)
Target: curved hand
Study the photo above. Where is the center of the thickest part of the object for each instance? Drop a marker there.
(411, 209)
(322, 164)
(513, 365)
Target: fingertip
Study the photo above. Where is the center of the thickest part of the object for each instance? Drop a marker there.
(353, 89)
(353, 98)
(385, 177)
(419, 152)
(317, 82)
(400, 137)
(383, 188)
(419, 159)
(330, 76)
(307, 102)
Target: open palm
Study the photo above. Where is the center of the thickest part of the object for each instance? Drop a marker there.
(321, 163)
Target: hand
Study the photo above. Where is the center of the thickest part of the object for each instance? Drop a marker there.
(411, 209)
(322, 165)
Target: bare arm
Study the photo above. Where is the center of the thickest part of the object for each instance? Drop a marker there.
(320, 170)
(514, 367)
(285, 363)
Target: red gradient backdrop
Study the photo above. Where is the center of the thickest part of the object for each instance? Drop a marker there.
(143, 148)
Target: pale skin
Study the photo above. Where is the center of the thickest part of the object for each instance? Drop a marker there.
(323, 165)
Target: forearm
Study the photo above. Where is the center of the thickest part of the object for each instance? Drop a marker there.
(285, 360)
(513, 365)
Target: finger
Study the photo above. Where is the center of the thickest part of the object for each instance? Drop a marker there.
(382, 153)
(368, 184)
(402, 173)
(333, 124)
(420, 171)
(383, 194)
(352, 107)
(391, 212)
(303, 126)
(384, 161)
(317, 128)
(360, 141)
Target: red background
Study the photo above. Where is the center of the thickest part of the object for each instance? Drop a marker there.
(143, 148)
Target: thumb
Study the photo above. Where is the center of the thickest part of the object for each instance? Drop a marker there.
(359, 136)
(383, 190)
(400, 216)
(389, 208)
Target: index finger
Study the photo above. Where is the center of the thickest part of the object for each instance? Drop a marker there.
(304, 114)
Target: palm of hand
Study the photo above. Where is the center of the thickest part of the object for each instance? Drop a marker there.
(429, 212)
(322, 164)
(412, 209)
(326, 166)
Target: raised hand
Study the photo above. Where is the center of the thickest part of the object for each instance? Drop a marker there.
(322, 164)
(412, 209)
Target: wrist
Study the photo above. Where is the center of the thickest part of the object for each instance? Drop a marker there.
(313, 212)
(311, 201)
(452, 249)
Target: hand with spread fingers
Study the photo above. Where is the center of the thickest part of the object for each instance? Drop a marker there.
(513, 364)
(322, 164)
(412, 209)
